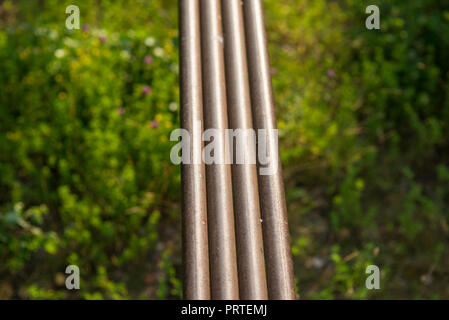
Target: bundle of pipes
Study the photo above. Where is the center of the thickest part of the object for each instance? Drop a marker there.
(226, 82)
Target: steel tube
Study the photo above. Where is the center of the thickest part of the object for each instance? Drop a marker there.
(251, 265)
(222, 250)
(271, 189)
(195, 238)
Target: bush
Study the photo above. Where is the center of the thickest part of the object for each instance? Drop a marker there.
(363, 115)
(85, 171)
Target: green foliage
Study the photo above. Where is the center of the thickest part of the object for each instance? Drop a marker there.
(84, 165)
(363, 117)
(85, 173)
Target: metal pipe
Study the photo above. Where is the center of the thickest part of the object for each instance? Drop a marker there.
(222, 251)
(274, 213)
(195, 239)
(251, 265)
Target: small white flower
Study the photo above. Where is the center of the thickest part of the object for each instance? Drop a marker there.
(159, 52)
(150, 41)
(173, 106)
(60, 53)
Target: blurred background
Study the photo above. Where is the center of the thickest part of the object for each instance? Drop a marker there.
(85, 173)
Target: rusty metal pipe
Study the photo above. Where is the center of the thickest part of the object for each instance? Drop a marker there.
(195, 238)
(251, 265)
(271, 189)
(222, 250)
